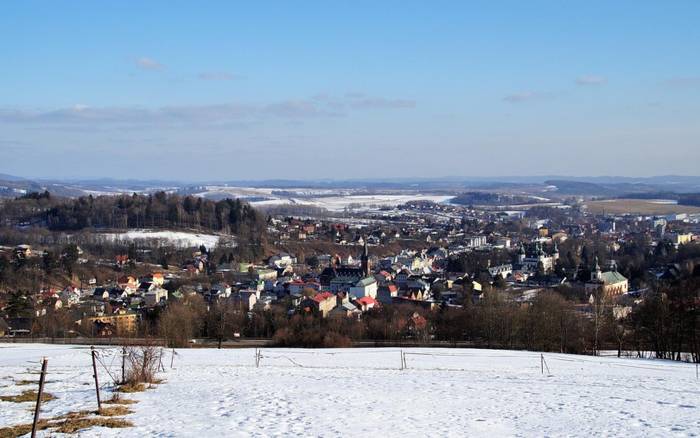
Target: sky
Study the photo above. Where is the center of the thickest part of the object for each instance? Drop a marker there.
(359, 89)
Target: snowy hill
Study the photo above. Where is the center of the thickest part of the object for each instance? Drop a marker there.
(364, 392)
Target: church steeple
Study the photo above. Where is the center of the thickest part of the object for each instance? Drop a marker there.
(597, 273)
(365, 260)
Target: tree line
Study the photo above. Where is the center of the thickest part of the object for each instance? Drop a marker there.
(157, 210)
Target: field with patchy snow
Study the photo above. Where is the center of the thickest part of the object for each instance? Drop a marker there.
(363, 392)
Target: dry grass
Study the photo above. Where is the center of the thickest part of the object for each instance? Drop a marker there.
(637, 206)
(118, 400)
(22, 429)
(27, 396)
(114, 411)
(131, 387)
(72, 422)
(26, 382)
(76, 424)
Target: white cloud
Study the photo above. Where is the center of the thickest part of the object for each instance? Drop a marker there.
(520, 97)
(225, 114)
(149, 63)
(591, 80)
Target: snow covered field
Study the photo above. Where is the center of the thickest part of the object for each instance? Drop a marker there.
(178, 238)
(332, 200)
(363, 392)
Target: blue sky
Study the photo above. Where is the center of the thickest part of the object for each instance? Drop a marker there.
(258, 90)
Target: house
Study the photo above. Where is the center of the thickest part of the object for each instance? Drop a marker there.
(100, 293)
(678, 239)
(121, 260)
(23, 251)
(344, 308)
(386, 294)
(119, 324)
(281, 260)
(366, 303)
(156, 296)
(70, 296)
(297, 286)
(264, 274)
(220, 290)
(367, 287)
(129, 283)
(503, 270)
(322, 303)
(245, 299)
(475, 241)
(158, 279)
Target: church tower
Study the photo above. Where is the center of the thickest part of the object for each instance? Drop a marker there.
(596, 274)
(365, 261)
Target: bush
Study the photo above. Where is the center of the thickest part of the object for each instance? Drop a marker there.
(142, 364)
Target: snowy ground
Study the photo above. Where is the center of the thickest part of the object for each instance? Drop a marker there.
(178, 238)
(363, 392)
(332, 200)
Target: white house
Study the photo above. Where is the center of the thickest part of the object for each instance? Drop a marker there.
(367, 287)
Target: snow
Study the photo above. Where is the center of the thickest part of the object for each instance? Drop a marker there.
(357, 202)
(363, 392)
(332, 200)
(177, 238)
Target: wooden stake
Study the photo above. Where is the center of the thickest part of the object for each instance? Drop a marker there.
(123, 364)
(97, 383)
(172, 359)
(543, 364)
(44, 363)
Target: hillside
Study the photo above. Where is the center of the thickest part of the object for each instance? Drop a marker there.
(362, 392)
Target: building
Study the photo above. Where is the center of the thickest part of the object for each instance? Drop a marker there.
(678, 239)
(322, 303)
(155, 296)
(531, 259)
(475, 241)
(122, 324)
(610, 283)
(340, 278)
(367, 287)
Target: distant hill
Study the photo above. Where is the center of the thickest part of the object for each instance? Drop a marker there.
(620, 189)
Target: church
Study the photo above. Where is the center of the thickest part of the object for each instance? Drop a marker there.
(340, 278)
(529, 260)
(611, 283)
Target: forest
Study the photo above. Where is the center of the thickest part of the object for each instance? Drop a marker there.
(157, 210)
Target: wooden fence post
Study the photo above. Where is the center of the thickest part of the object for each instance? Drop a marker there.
(97, 383)
(124, 364)
(45, 361)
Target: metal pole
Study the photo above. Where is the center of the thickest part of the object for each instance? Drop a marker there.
(97, 383)
(45, 361)
(542, 362)
(172, 359)
(401, 351)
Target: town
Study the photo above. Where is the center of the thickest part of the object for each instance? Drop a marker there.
(546, 277)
